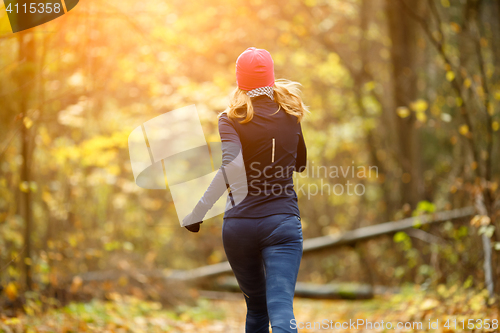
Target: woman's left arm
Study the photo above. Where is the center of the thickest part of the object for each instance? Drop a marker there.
(232, 166)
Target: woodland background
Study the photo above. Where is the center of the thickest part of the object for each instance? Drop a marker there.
(411, 87)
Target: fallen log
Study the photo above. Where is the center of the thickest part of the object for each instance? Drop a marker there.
(201, 272)
(365, 233)
(310, 246)
(315, 291)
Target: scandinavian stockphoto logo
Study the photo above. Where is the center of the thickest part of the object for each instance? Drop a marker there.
(171, 150)
(25, 14)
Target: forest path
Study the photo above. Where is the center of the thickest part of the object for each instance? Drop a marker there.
(411, 306)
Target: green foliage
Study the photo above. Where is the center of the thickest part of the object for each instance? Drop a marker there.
(487, 230)
(203, 310)
(402, 237)
(424, 207)
(123, 313)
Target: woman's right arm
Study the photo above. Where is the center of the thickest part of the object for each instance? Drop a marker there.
(301, 162)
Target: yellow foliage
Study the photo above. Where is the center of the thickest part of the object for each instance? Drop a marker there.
(445, 3)
(11, 291)
(464, 129)
(369, 86)
(300, 59)
(27, 122)
(491, 109)
(44, 134)
(300, 30)
(403, 111)
(497, 95)
(480, 220)
(495, 126)
(113, 169)
(421, 116)
(285, 39)
(24, 187)
(450, 76)
(429, 304)
(123, 280)
(435, 110)
(455, 27)
(419, 105)
(480, 91)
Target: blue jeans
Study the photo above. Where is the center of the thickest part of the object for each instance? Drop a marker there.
(265, 255)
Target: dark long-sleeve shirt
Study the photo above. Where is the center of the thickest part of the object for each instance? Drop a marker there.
(273, 147)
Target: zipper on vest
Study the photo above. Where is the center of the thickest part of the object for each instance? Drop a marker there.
(274, 146)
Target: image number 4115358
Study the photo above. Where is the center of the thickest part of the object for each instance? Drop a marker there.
(26, 14)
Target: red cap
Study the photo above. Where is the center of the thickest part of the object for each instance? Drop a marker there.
(254, 69)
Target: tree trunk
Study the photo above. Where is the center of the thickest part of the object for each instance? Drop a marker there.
(402, 32)
(26, 81)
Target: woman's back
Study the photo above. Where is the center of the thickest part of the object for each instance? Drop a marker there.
(272, 148)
